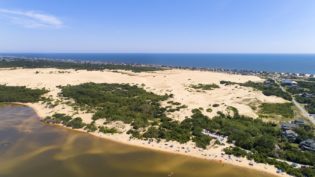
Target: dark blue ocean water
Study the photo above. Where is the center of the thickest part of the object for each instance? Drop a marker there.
(299, 63)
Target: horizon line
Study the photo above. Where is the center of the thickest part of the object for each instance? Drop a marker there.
(139, 52)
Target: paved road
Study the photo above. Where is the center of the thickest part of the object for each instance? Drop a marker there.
(303, 111)
(301, 108)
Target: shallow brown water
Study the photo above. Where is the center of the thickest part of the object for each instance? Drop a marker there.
(29, 148)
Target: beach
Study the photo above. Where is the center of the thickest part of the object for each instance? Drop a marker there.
(175, 81)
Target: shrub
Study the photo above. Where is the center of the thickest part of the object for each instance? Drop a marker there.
(20, 94)
(76, 123)
(107, 130)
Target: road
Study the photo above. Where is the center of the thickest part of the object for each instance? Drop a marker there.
(301, 108)
(303, 111)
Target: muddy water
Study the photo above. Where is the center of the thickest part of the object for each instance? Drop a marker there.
(29, 148)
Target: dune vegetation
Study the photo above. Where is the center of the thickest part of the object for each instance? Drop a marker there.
(20, 94)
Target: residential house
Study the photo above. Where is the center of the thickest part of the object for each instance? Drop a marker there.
(290, 135)
(288, 126)
(308, 144)
(299, 122)
(306, 95)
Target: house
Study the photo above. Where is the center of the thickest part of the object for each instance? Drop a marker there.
(288, 126)
(288, 82)
(306, 95)
(269, 83)
(308, 145)
(298, 122)
(290, 135)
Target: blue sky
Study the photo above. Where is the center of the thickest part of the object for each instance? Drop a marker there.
(188, 26)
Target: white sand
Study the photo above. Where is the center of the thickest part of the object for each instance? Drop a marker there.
(175, 82)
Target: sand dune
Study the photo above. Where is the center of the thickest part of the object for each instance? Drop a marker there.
(174, 82)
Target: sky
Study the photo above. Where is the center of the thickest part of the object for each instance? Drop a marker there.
(158, 26)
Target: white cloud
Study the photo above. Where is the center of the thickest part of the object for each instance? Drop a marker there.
(32, 19)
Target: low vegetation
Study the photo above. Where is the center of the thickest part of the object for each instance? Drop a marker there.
(174, 106)
(20, 94)
(117, 102)
(91, 127)
(209, 110)
(107, 130)
(77, 123)
(57, 118)
(205, 86)
(285, 110)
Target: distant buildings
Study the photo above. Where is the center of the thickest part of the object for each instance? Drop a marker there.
(308, 144)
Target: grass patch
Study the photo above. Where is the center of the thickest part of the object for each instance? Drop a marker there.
(284, 110)
(205, 86)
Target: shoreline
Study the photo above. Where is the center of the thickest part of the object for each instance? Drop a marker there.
(167, 66)
(219, 159)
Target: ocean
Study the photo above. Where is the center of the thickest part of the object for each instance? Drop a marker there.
(295, 63)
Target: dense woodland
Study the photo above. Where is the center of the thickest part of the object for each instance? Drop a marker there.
(20, 94)
(27, 63)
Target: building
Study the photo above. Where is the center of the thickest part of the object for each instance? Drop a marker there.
(288, 82)
(306, 95)
(290, 135)
(299, 122)
(308, 145)
(288, 126)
